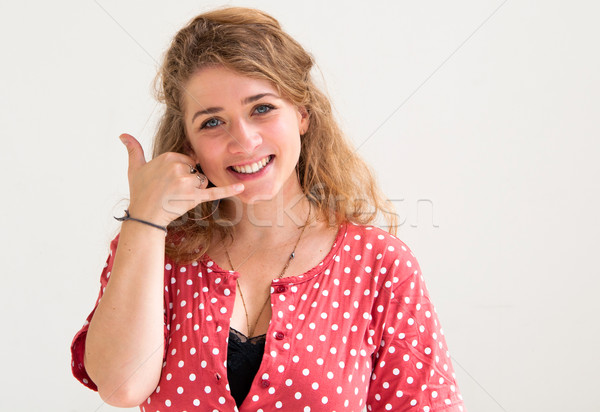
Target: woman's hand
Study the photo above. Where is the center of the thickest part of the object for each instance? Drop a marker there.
(163, 189)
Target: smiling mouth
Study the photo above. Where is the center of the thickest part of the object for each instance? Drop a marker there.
(253, 167)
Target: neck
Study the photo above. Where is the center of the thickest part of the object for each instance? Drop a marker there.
(269, 221)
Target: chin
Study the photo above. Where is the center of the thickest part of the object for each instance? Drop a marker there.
(254, 197)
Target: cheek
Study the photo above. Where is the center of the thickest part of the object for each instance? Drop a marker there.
(203, 157)
(287, 134)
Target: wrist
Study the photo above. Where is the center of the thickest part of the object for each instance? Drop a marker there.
(158, 217)
(129, 218)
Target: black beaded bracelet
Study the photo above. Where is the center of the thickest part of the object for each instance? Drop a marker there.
(128, 217)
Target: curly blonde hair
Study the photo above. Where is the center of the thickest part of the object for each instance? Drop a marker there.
(334, 178)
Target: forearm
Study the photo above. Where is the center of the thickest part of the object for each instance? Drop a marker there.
(125, 340)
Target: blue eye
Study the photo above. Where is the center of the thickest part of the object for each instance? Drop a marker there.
(263, 108)
(210, 123)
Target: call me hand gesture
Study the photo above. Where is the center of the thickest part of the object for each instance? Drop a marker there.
(168, 186)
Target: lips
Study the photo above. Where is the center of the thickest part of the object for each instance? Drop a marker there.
(253, 167)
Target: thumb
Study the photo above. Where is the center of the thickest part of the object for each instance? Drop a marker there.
(134, 150)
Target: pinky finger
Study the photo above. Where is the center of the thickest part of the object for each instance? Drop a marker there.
(219, 192)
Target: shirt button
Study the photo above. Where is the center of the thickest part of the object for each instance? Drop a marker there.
(279, 335)
(280, 289)
(265, 383)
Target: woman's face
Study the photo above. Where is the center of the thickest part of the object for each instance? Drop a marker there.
(242, 130)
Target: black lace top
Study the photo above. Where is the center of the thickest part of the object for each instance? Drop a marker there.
(244, 356)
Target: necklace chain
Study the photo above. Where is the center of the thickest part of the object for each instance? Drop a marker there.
(287, 263)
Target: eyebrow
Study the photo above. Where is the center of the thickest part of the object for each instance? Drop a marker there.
(247, 100)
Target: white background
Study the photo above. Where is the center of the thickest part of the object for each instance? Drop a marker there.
(483, 119)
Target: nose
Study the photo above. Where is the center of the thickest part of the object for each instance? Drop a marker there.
(244, 137)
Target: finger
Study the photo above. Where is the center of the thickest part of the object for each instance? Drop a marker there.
(202, 181)
(219, 192)
(134, 150)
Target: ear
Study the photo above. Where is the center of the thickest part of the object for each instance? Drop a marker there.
(188, 151)
(303, 120)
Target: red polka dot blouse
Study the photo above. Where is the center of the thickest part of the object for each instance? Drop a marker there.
(357, 331)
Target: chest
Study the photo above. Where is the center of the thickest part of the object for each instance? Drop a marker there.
(318, 350)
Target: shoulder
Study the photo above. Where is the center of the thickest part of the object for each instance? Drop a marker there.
(380, 255)
(375, 240)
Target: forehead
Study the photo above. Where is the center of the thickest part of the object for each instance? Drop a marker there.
(219, 85)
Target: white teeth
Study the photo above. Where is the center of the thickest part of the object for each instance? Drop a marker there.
(252, 168)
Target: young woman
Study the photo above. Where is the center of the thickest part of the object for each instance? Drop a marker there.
(246, 275)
